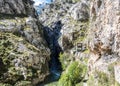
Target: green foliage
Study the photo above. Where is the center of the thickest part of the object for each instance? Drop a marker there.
(117, 84)
(112, 76)
(9, 53)
(52, 84)
(65, 80)
(91, 81)
(3, 84)
(102, 79)
(65, 60)
(79, 84)
(75, 1)
(23, 83)
(74, 74)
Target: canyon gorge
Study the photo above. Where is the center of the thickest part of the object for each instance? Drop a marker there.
(70, 43)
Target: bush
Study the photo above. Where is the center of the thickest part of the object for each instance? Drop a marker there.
(3, 84)
(23, 83)
(74, 74)
(75, 1)
(102, 79)
(65, 60)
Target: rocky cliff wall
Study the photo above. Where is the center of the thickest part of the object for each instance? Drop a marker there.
(71, 36)
(104, 36)
(90, 34)
(24, 54)
(105, 24)
(21, 7)
(87, 31)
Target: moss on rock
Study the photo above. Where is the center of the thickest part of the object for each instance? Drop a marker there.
(19, 60)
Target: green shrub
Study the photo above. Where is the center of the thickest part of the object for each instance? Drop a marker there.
(79, 84)
(91, 81)
(75, 1)
(102, 79)
(65, 80)
(65, 60)
(3, 84)
(52, 84)
(23, 83)
(112, 76)
(73, 74)
(117, 84)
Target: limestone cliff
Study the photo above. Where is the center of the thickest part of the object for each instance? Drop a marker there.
(89, 34)
(104, 39)
(83, 35)
(24, 54)
(70, 34)
(21, 7)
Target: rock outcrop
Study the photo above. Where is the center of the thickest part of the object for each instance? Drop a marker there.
(24, 54)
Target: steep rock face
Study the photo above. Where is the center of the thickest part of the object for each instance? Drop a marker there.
(71, 36)
(104, 38)
(105, 26)
(100, 42)
(80, 11)
(21, 7)
(52, 35)
(24, 54)
(73, 19)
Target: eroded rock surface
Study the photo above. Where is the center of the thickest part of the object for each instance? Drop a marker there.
(24, 54)
(90, 29)
(21, 7)
(104, 37)
(105, 24)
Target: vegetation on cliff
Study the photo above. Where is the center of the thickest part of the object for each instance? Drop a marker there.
(86, 32)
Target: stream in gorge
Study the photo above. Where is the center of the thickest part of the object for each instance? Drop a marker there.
(52, 35)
